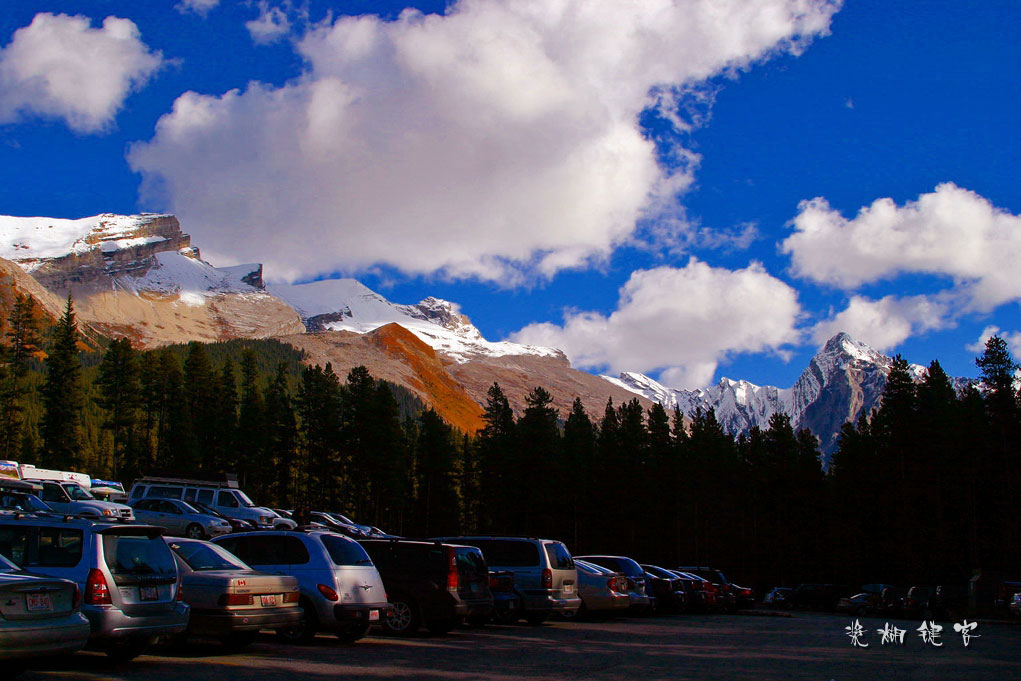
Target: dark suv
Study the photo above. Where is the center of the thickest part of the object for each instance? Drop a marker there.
(430, 583)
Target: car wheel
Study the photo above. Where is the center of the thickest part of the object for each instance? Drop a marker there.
(304, 632)
(352, 633)
(403, 619)
(238, 640)
(572, 614)
(536, 618)
(128, 649)
(194, 531)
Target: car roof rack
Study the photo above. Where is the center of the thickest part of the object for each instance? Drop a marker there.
(230, 481)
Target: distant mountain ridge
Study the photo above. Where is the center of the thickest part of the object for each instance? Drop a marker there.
(843, 380)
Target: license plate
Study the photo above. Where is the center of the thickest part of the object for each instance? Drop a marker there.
(374, 615)
(38, 603)
(148, 593)
(568, 588)
(269, 600)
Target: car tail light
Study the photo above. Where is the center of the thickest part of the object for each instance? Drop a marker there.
(180, 591)
(96, 590)
(76, 598)
(328, 592)
(613, 584)
(236, 599)
(547, 579)
(291, 597)
(452, 580)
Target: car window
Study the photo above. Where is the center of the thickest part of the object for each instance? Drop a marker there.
(138, 491)
(294, 551)
(138, 555)
(189, 493)
(77, 492)
(507, 553)
(14, 544)
(200, 556)
(205, 496)
(470, 561)
(185, 507)
(559, 556)
(344, 551)
(166, 492)
(53, 492)
(58, 547)
(167, 507)
(227, 500)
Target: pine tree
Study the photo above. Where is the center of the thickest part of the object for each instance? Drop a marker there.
(251, 434)
(120, 396)
(23, 344)
(497, 451)
(579, 446)
(281, 439)
(540, 468)
(436, 491)
(63, 395)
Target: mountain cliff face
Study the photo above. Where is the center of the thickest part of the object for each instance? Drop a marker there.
(138, 276)
(843, 380)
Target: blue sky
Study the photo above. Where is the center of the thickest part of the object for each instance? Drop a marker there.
(514, 157)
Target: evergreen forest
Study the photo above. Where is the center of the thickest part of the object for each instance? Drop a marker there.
(922, 490)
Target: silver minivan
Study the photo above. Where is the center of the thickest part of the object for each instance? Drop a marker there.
(341, 591)
(544, 574)
(126, 573)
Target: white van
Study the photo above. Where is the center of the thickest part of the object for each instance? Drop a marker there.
(67, 491)
(222, 495)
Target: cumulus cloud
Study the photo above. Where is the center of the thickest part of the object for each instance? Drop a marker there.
(950, 231)
(59, 66)
(201, 7)
(271, 25)
(500, 140)
(679, 321)
(1013, 339)
(889, 321)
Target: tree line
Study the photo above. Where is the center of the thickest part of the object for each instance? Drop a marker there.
(920, 490)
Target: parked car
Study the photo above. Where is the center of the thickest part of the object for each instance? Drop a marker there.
(126, 573)
(223, 495)
(506, 601)
(668, 588)
(430, 583)
(1014, 607)
(640, 601)
(333, 523)
(236, 524)
(179, 518)
(341, 590)
(949, 601)
(544, 574)
(20, 495)
(916, 602)
(39, 616)
(730, 596)
(602, 591)
(72, 498)
(700, 592)
(859, 604)
(229, 600)
(778, 597)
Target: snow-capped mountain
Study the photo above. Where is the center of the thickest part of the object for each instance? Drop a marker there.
(348, 305)
(845, 378)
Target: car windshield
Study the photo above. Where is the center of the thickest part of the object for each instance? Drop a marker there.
(23, 502)
(6, 565)
(202, 508)
(185, 507)
(243, 499)
(201, 556)
(77, 492)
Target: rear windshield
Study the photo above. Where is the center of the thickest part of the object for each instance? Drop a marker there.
(507, 553)
(559, 556)
(201, 556)
(470, 562)
(344, 551)
(138, 556)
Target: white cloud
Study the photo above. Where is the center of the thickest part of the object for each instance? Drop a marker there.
(951, 231)
(681, 321)
(498, 141)
(201, 7)
(271, 25)
(1013, 339)
(887, 322)
(60, 67)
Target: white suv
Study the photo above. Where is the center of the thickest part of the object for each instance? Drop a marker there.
(72, 498)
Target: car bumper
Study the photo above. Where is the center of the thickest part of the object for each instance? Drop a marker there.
(220, 622)
(545, 602)
(344, 615)
(639, 602)
(109, 622)
(47, 637)
(607, 601)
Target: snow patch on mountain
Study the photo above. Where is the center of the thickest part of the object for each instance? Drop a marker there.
(348, 305)
(31, 240)
(189, 277)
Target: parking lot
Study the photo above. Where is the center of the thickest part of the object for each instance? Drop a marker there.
(805, 646)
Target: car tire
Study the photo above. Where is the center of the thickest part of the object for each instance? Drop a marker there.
(352, 633)
(128, 649)
(194, 531)
(238, 640)
(536, 618)
(304, 632)
(403, 619)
